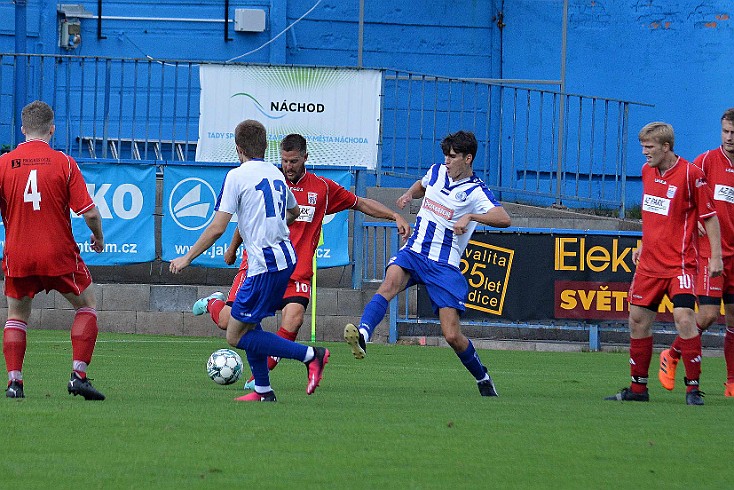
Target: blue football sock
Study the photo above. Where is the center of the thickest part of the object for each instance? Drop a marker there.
(260, 342)
(470, 359)
(259, 368)
(373, 314)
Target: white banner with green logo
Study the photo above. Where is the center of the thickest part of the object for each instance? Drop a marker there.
(337, 110)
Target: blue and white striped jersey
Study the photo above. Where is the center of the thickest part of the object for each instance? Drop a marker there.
(257, 193)
(444, 203)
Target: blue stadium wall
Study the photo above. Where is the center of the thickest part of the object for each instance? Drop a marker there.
(671, 55)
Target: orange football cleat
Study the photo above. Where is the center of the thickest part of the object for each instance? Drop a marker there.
(666, 374)
(729, 391)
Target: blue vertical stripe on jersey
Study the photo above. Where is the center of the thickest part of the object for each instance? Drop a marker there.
(445, 252)
(219, 197)
(270, 262)
(286, 254)
(434, 174)
(428, 238)
(414, 235)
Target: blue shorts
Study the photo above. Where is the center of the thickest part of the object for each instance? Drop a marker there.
(444, 283)
(260, 295)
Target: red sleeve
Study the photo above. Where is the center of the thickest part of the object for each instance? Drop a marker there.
(79, 199)
(700, 161)
(339, 198)
(704, 195)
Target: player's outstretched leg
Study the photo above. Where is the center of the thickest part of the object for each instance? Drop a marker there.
(470, 359)
(201, 305)
(315, 368)
(273, 361)
(487, 388)
(82, 386)
(356, 341)
(373, 313)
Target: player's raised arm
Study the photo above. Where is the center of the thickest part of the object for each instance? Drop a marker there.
(497, 217)
(376, 209)
(416, 191)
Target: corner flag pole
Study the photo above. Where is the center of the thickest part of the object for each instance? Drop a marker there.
(313, 290)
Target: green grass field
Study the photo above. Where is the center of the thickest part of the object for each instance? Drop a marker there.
(404, 417)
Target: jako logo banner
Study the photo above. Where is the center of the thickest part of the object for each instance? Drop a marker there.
(189, 197)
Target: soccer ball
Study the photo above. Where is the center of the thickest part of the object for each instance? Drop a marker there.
(224, 366)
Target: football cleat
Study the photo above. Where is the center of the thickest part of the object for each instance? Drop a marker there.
(487, 388)
(356, 341)
(627, 395)
(257, 397)
(666, 374)
(15, 389)
(729, 389)
(250, 385)
(694, 397)
(79, 386)
(315, 368)
(200, 307)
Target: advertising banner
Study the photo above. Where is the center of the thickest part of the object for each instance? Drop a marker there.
(125, 197)
(336, 110)
(535, 276)
(189, 196)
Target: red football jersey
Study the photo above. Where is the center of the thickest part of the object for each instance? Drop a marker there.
(38, 188)
(672, 204)
(719, 173)
(316, 196)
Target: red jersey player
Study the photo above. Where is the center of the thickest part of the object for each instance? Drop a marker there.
(718, 166)
(317, 197)
(675, 197)
(38, 188)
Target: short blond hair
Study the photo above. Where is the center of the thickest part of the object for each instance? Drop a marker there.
(659, 132)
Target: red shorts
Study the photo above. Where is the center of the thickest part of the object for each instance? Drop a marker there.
(715, 287)
(298, 289)
(74, 282)
(647, 290)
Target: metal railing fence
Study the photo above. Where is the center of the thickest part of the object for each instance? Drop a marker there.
(536, 146)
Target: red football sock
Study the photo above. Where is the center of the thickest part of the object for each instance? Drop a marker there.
(691, 354)
(675, 348)
(214, 307)
(14, 344)
(83, 337)
(640, 357)
(729, 354)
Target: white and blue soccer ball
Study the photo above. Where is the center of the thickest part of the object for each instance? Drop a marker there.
(224, 366)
